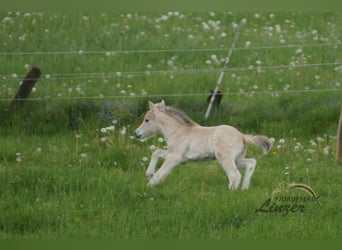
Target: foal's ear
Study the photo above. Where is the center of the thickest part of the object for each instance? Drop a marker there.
(162, 102)
(150, 105)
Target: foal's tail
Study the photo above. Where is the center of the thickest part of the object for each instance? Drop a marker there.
(259, 140)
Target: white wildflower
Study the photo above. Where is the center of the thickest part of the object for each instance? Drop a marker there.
(313, 143)
(299, 51)
(18, 159)
(123, 131)
(320, 139)
(110, 128)
(247, 44)
(205, 26)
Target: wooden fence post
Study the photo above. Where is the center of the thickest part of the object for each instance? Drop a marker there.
(25, 88)
(225, 66)
(339, 140)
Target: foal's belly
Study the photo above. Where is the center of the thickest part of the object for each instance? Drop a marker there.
(198, 157)
(201, 143)
(199, 151)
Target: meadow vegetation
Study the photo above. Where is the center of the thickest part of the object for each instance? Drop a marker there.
(70, 166)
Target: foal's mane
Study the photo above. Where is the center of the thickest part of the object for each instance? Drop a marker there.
(180, 116)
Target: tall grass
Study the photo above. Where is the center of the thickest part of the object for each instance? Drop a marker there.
(71, 168)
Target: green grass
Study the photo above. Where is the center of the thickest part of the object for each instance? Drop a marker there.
(62, 177)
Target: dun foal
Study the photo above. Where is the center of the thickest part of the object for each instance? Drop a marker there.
(188, 141)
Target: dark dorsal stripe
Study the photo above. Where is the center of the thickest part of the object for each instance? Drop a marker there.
(179, 115)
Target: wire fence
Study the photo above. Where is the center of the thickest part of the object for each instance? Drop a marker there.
(273, 93)
(146, 51)
(95, 75)
(171, 72)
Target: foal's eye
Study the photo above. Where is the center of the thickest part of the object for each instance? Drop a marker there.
(147, 120)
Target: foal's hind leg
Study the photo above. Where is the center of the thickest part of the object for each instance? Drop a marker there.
(248, 165)
(229, 166)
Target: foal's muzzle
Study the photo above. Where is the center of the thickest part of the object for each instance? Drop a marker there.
(137, 135)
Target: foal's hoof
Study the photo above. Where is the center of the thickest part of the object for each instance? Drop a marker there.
(149, 176)
(150, 184)
(233, 187)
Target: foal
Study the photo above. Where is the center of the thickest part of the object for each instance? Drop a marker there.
(188, 141)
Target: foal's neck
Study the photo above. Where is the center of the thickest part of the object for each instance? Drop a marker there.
(169, 126)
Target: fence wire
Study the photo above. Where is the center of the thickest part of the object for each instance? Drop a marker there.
(94, 75)
(169, 72)
(272, 93)
(146, 51)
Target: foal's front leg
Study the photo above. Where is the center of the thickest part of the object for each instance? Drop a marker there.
(158, 153)
(171, 160)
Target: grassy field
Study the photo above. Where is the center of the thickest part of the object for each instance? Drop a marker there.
(71, 168)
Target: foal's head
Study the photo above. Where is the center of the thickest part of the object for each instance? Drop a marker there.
(160, 117)
(149, 127)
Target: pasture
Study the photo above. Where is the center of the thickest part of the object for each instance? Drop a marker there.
(70, 166)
